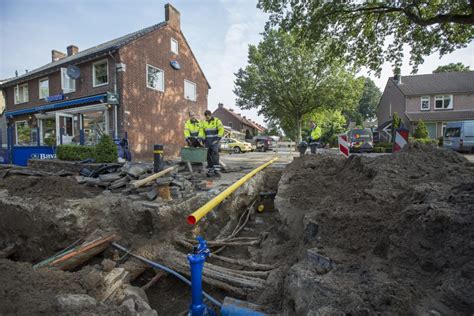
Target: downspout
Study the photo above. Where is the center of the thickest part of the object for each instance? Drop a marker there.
(115, 91)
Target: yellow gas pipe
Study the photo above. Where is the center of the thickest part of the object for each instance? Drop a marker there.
(206, 208)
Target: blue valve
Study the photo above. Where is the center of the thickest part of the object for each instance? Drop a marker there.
(196, 260)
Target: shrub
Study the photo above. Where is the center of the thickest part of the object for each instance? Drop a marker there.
(75, 152)
(421, 131)
(426, 141)
(106, 150)
(378, 149)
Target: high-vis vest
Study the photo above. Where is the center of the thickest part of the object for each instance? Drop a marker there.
(316, 133)
(212, 129)
(192, 129)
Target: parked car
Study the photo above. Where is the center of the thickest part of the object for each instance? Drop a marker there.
(264, 143)
(234, 145)
(360, 140)
(459, 136)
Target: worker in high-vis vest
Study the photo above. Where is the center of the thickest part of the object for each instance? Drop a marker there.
(314, 136)
(193, 131)
(212, 132)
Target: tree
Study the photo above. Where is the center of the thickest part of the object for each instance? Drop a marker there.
(358, 29)
(421, 131)
(286, 80)
(452, 67)
(369, 101)
(396, 123)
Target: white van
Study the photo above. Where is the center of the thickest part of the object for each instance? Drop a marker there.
(459, 136)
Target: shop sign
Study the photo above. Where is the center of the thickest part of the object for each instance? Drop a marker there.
(43, 156)
(112, 98)
(53, 98)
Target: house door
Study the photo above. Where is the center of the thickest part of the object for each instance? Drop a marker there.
(64, 128)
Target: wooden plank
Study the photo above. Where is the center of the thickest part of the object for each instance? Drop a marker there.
(139, 183)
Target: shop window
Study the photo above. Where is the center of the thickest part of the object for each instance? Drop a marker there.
(48, 132)
(94, 125)
(100, 73)
(67, 84)
(23, 133)
(43, 88)
(21, 93)
(155, 78)
(189, 90)
(174, 46)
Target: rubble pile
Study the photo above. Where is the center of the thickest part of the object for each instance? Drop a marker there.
(177, 184)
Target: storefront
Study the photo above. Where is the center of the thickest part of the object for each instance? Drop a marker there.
(35, 132)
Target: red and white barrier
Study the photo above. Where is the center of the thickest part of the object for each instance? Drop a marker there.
(343, 145)
(401, 139)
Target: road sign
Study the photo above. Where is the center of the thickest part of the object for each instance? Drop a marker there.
(401, 139)
(343, 145)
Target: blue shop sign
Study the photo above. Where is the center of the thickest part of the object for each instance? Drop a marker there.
(53, 98)
(21, 154)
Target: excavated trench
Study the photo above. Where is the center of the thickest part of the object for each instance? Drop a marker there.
(40, 217)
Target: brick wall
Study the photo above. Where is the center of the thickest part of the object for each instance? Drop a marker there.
(151, 116)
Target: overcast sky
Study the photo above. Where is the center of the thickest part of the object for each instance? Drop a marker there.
(219, 32)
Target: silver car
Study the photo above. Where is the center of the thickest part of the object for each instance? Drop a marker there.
(459, 136)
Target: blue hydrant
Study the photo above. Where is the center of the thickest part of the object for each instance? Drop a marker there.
(196, 260)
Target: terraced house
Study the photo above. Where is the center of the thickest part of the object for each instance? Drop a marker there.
(139, 86)
(432, 98)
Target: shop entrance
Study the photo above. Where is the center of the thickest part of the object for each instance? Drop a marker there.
(64, 128)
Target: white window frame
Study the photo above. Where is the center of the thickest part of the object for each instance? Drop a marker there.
(162, 88)
(16, 131)
(71, 86)
(39, 88)
(425, 98)
(173, 41)
(106, 61)
(17, 93)
(442, 97)
(195, 90)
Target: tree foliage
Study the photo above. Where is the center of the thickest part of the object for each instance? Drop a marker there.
(286, 81)
(452, 67)
(421, 131)
(396, 123)
(358, 29)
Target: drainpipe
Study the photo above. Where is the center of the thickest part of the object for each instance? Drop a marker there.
(115, 91)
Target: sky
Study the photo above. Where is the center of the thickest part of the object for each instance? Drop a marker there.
(218, 31)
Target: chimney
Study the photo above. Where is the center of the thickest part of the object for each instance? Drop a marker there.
(220, 105)
(172, 16)
(232, 110)
(72, 50)
(56, 55)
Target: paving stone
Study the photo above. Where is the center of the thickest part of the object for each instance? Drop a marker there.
(135, 292)
(77, 302)
(110, 177)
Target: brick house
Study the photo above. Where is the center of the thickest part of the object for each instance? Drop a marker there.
(237, 122)
(433, 98)
(141, 85)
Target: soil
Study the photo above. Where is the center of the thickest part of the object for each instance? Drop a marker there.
(393, 234)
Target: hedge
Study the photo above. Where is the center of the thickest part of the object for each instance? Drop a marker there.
(425, 141)
(104, 151)
(75, 152)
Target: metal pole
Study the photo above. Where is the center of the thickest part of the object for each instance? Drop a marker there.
(157, 158)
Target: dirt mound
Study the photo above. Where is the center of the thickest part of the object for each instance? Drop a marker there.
(392, 234)
(52, 188)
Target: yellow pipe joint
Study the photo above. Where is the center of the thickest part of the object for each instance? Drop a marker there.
(206, 208)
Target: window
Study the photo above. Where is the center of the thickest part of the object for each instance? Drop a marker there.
(100, 73)
(453, 132)
(21, 93)
(155, 78)
(43, 88)
(425, 103)
(174, 46)
(23, 133)
(443, 102)
(189, 90)
(67, 84)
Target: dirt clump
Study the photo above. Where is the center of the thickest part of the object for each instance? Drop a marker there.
(391, 234)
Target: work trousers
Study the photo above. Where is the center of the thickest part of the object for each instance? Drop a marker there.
(314, 147)
(213, 157)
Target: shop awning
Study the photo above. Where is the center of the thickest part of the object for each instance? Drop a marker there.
(59, 105)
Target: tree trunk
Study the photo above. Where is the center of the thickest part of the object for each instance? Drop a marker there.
(298, 128)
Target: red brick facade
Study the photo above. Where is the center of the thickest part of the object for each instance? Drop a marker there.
(147, 116)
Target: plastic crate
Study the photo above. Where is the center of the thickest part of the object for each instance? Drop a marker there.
(193, 154)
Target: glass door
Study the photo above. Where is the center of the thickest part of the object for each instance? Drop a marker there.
(64, 128)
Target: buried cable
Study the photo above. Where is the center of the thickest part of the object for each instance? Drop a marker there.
(166, 269)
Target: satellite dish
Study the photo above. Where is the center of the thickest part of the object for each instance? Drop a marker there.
(73, 72)
(175, 65)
